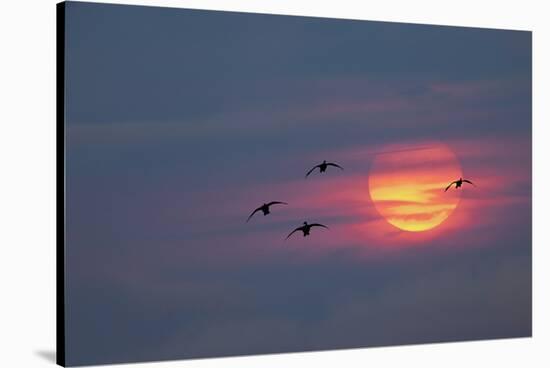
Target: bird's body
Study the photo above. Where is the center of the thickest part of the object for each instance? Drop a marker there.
(264, 208)
(323, 167)
(305, 228)
(458, 183)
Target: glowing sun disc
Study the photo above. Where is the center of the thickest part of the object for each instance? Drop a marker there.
(406, 185)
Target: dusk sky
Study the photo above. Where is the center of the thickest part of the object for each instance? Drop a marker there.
(179, 123)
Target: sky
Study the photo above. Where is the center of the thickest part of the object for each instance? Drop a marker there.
(179, 123)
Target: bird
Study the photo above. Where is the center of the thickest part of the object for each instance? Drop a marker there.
(458, 183)
(323, 167)
(264, 208)
(305, 228)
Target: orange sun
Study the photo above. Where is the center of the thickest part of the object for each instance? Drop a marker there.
(407, 185)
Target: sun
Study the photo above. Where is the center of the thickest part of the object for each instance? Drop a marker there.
(406, 185)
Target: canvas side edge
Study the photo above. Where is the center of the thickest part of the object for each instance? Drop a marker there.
(60, 184)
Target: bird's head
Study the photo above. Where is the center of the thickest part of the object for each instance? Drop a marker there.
(305, 222)
(324, 161)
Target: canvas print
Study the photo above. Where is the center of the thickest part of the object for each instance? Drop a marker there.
(241, 183)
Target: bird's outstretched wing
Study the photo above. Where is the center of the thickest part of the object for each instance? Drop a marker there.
(469, 182)
(335, 165)
(276, 202)
(450, 185)
(313, 168)
(252, 214)
(293, 231)
(320, 225)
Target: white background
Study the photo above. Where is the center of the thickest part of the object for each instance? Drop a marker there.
(27, 182)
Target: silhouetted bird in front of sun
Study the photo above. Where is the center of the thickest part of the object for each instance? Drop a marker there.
(323, 167)
(305, 228)
(458, 183)
(264, 208)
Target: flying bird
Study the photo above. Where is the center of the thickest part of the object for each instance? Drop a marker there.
(323, 167)
(264, 208)
(458, 183)
(305, 228)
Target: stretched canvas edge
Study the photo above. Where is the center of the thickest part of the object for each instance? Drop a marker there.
(60, 184)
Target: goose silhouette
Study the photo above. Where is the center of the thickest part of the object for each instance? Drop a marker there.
(458, 183)
(264, 208)
(305, 228)
(323, 167)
